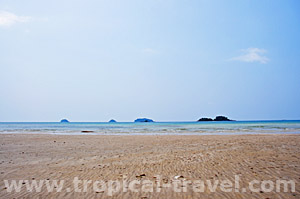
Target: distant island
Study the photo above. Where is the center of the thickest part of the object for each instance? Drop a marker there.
(218, 118)
(64, 120)
(205, 119)
(143, 120)
(112, 121)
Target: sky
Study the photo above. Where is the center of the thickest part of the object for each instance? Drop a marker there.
(169, 60)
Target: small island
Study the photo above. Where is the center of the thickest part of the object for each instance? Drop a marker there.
(217, 119)
(112, 121)
(143, 120)
(205, 119)
(64, 121)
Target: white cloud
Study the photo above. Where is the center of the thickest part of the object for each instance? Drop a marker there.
(8, 19)
(252, 55)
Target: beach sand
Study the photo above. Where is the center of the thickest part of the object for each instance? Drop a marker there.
(156, 158)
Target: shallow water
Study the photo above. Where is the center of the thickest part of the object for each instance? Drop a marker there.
(156, 128)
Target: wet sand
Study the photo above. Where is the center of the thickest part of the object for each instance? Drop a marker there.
(160, 159)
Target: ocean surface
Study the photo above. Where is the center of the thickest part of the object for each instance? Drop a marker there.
(155, 128)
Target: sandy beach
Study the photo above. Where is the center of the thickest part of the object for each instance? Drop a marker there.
(160, 159)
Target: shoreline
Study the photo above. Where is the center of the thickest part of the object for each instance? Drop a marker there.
(152, 133)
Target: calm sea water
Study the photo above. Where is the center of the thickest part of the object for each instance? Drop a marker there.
(156, 128)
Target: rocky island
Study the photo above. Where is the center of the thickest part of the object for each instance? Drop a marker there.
(143, 120)
(112, 121)
(218, 118)
(64, 121)
(205, 119)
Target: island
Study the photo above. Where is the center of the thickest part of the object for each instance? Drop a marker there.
(217, 119)
(64, 121)
(112, 121)
(205, 119)
(143, 120)
(222, 118)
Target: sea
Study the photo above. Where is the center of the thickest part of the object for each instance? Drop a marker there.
(153, 128)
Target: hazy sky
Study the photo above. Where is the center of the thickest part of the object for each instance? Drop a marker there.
(169, 60)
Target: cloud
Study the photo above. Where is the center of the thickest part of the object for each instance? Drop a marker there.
(8, 19)
(252, 55)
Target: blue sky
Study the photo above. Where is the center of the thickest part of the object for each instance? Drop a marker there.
(170, 60)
